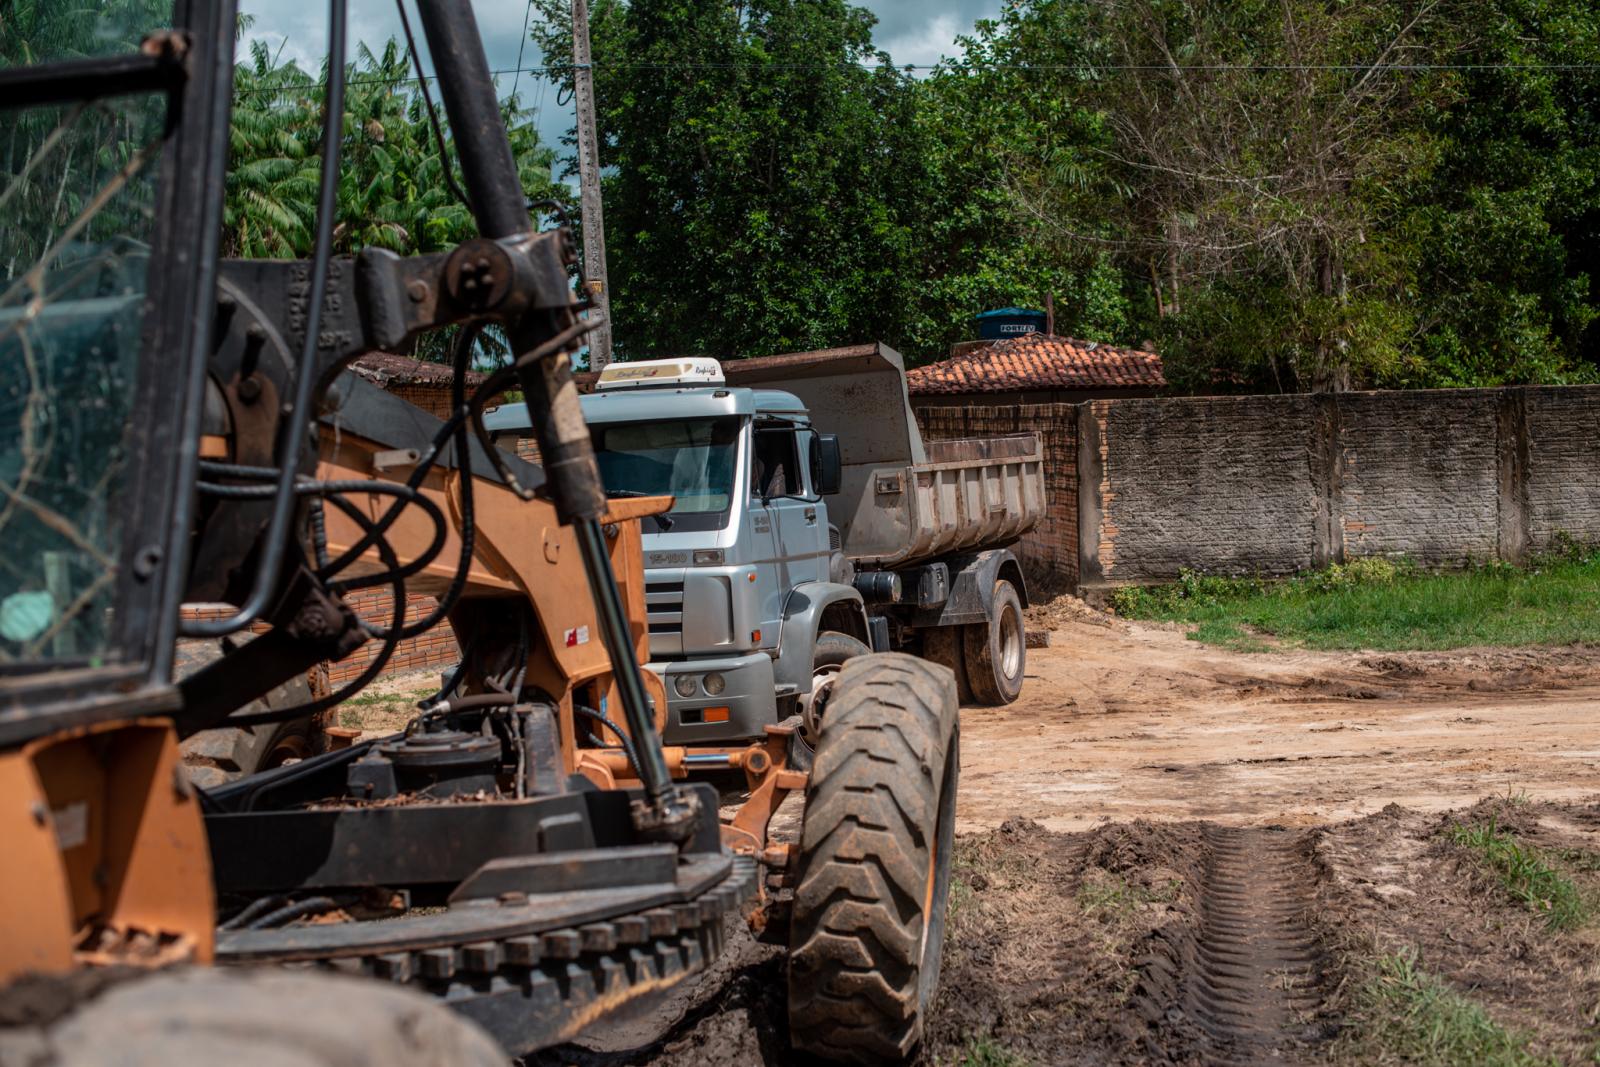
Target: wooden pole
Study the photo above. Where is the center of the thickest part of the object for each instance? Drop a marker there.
(594, 226)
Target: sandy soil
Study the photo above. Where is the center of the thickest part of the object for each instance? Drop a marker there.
(1120, 721)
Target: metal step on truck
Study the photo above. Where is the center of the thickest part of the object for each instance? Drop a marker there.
(811, 523)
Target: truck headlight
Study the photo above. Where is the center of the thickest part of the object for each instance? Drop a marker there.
(715, 684)
(684, 684)
(708, 557)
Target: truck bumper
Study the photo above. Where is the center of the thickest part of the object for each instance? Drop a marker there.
(748, 699)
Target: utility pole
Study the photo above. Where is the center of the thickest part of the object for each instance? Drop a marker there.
(594, 226)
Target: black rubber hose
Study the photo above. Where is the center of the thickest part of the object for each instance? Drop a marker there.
(407, 494)
(627, 742)
(297, 910)
(391, 640)
(254, 911)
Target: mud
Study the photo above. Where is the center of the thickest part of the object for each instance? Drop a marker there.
(1176, 855)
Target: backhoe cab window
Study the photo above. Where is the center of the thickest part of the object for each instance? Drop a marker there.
(691, 460)
(77, 188)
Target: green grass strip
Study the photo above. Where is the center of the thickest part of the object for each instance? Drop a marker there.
(1526, 874)
(985, 1052)
(1385, 604)
(1415, 1017)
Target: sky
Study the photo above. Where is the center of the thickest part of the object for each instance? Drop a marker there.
(911, 31)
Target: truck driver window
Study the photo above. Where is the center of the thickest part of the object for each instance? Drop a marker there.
(691, 460)
(776, 471)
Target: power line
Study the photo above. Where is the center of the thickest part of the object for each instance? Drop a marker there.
(1079, 68)
(527, 16)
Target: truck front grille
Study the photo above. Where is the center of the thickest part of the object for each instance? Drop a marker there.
(664, 607)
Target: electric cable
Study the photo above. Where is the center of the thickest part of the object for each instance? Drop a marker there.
(407, 495)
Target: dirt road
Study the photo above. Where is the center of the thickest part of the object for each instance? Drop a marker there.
(1177, 855)
(1125, 721)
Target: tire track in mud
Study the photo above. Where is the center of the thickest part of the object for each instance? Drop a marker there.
(1242, 982)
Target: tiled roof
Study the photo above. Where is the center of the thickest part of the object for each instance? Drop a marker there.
(1038, 361)
(386, 369)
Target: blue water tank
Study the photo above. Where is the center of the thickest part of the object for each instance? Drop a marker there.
(1008, 322)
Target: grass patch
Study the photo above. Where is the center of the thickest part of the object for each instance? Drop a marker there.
(986, 1052)
(1415, 1017)
(1110, 896)
(1526, 874)
(1385, 604)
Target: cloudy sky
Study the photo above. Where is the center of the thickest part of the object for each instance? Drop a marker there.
(911, 31)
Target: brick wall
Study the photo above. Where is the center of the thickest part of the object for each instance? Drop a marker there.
(434, 649)
(1057, 426)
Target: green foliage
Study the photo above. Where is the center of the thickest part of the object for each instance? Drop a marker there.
(392, 189)
(1282, 196)
(1410, 1016)
(1384, 604)
(1526, 873)
(763, 171)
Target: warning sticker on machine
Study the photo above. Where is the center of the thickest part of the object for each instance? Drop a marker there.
(72, 824)
(578, 635)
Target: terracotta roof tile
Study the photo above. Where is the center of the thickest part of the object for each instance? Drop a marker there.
(386, 369)
(1038, 361)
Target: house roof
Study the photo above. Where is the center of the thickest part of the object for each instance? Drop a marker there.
(387, 370)
(1038, 361)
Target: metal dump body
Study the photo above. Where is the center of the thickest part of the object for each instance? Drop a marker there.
(903, 500)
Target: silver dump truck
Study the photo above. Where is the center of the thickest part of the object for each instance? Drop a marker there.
(810, 523)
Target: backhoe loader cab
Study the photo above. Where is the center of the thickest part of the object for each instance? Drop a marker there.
(178, 428)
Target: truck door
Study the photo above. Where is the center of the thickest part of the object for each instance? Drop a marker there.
(796, 517)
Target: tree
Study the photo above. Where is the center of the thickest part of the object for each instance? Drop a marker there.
(764, 171)
(392, 188)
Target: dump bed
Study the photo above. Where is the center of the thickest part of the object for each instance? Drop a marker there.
(904, 500)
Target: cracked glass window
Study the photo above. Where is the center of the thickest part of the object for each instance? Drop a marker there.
(45, 31)
(77, 189)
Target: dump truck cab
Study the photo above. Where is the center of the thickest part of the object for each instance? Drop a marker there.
(810, 522)
(743, 566)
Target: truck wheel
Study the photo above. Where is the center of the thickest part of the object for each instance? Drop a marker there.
(831, 652)
(942, 645)
(997, 650)
(873, 873)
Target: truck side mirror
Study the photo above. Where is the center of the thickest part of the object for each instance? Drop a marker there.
(827, 468)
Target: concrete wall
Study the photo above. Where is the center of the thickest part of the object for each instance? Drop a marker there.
(1057, 425)
(1273, 485)
(1140, 489)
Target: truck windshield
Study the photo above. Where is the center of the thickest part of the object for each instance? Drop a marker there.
(691, 460)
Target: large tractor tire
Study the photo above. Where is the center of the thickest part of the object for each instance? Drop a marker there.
(221, 755)
(252, 1018)
(996, 651)
(873, 872)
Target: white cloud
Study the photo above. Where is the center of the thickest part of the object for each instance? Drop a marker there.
(927, 44)
(909, 31)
